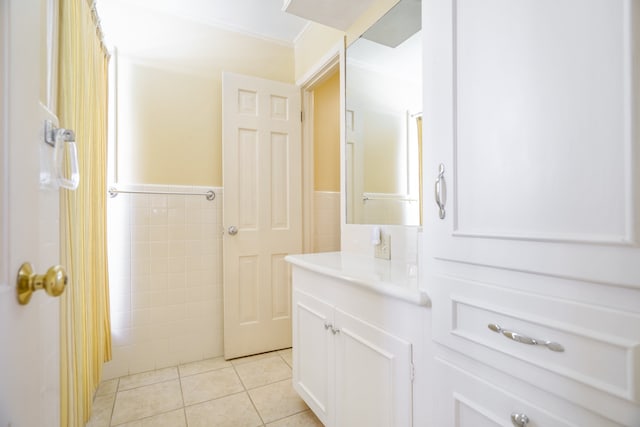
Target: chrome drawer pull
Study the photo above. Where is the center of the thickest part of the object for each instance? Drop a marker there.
(553, 346)
(519, 420)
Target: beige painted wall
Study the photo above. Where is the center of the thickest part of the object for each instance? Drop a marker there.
(169, 98)
(168, 126)
(326, 134)
(169, 91)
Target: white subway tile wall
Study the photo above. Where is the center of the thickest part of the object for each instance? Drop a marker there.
(165, 274)
(326, 221)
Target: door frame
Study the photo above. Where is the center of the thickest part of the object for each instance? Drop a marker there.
(327, 65)
(4, 138)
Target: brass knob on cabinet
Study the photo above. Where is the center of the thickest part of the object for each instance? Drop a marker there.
(53, 282)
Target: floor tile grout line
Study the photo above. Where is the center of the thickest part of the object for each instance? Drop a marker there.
(205, 371)
(214, 399)
(115, 397)
(291, 415)
(148, 372)
(246, 391)
(166, 380)
(149, 417)
(184, 411)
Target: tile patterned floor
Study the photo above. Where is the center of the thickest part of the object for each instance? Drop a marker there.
(249, 392)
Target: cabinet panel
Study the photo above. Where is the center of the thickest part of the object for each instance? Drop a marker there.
(463, 311)
(373, 375)
(532, 110)
(464, 400)
(558, 111)
(313, 353)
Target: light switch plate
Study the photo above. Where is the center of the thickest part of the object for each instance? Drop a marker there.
(383, 250)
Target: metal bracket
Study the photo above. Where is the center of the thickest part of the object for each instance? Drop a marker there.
(51, 133)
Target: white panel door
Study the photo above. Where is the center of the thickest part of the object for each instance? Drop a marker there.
(532, 109)
(262, 211)
(29, 334)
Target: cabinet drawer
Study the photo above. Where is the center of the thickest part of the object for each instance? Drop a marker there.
(600, 347)
(465, 400)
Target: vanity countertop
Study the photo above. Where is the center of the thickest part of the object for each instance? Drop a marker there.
(393, 278)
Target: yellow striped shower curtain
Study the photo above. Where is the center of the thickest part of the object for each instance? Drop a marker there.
(82, 106)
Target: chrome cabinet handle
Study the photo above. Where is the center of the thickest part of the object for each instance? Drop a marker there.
(519, 420)
(553, 346)
(328, 326)
(233, 230)
(440, 192)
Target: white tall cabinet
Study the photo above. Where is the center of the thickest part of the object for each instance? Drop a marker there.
(532, 138)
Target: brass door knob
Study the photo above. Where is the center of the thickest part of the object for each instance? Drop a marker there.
(53, 282)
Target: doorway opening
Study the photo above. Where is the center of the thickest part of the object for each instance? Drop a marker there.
(321, 127)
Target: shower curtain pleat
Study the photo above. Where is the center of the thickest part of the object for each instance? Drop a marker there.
(82, 106)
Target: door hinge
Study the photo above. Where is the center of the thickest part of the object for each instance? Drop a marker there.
(301, 116)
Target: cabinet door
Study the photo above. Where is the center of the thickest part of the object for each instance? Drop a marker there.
(465, 400)
(532, 109)
(313, 353)
(373, 375)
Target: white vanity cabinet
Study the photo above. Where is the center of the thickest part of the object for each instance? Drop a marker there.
(349, 371)
(354, 348)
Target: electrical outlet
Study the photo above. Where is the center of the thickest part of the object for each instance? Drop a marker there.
(383, 250)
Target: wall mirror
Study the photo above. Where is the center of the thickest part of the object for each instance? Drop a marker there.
(383, 120)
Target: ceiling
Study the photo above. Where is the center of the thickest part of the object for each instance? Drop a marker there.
(262, 18)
